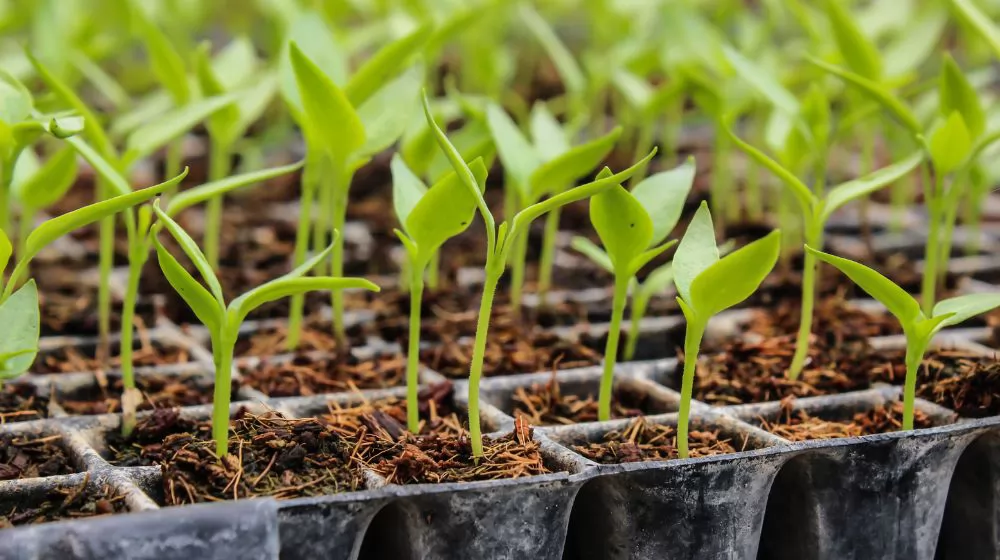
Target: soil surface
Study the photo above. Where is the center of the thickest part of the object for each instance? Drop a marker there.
(386, 418)
(158, 391)
(71, 359)
(544, 404)
(63, 504)
(644, 441)
(22, 403)
(799, 425)
(965, 383)
(511, 350)
(308, 375)
(144, 446)
(272, 340)
(269, 456)
(835, 320)
(30, 456)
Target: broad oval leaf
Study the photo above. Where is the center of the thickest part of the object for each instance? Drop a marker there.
(518, 156)
(547, 134)
(19, 316)
(407, 189)
(950, 144)
(697, 251)
(557, 175)
(957, 94)
(622, 224)
(314, 38)
(389, 61)
(445, 210)
(203, 193)
(236, 64)
(592, 252)
(157, 133)
(387, 112)
(330, 116)
(202, 303)
(735, 277)
(877, 93)
(51, 181)
(858, 51)
(894, 298)
(963, 308)
(663, 196)
(286, 287)
(852, 190)
(194, 253)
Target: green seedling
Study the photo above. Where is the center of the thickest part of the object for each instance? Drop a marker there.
(223, 321)
(547, 165)
(429, 217)
(499, 241)
(38, 185)
(816, 209)
(647, 106)
(632, 227)
(344, 128)
(918, 327)
(707, 285)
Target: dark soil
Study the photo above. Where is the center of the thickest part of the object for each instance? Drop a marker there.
(61, 504)
(752, 372)
(798, 425)
(158, 391)
(144, 446)
(386, 418)
(644, 441)
(545, 404)
(965, 383)
(269, 455)
(22, 403)
(834, 320)
(307, 375)
(511, 350)
(30, 456)
(71, 359)
(272, 340)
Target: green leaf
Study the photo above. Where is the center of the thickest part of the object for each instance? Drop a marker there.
(816, 114)
(658, 280)
(622, 224)
(15, 101)
(547, 134)
(315, 40)
(207, 191)
(407, 189)
(114, 179)
(167, 63)
(386, 113)
(159, 132)
(807, 201)
(332, 120)
(877, 93)
(735, 277)
(852, 190)
(592, 252)
(981, 22)
(950, 144)
(192, 251)
(444, 211)
(957, 94)
(894, 298)
(697, 251)
(518, 156)
(569, 71)
(236, 64)
(222, 123)
(48, 185)
(389, 61)
(858, 51)
(285, 287)
(472, 141)
(205, 306)
(6, 250)
(20, 318)
(648, 255)
(562, 172)
(663, 196)
(762, 81)
(636, 91)
(963, 308)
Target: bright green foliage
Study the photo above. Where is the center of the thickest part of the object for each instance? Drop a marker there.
(918, 327)
(19, 315)
(707, 285)
(223, 321)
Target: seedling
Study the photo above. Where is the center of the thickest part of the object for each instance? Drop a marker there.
(499, 241)
(545, 166)
(918, 327)
(632, 227)
(816, 209)
(223, 321)
(429, 217)
(707, 285)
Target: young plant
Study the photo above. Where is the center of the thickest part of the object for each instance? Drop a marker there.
(499, 241)
(429, 217)
(816, 208)
(707, 285)
(547, 165)
(918, 327)
(36, 186)
(223, 321)
(632, 227)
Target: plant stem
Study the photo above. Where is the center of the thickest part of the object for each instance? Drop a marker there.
(914, 356)
(339, 213)
(27, 219)
(640, 302)
(310, 183)
(611, 348)
(321, 227)
(413, 352)
(643, 143)
(434, 271)
(952, 202)
(136, 261)
(174, 159)
(221, 395)
(105, 261)
(218, 168)
(719, 185)
(547, 258)
(692, 342)
(517, 272)
(494, 271)
(932, 251)
(5, 195)
(814, 239)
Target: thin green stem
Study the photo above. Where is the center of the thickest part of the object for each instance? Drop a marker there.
(223, 350)
(692, 342)
(517, 266)
(914, 356)
(643, 143)
(310, 182)
(494, 271)
(611, 348)
(952, 203)
(719, 186)
(136, 261)
(105, 261)
(815, 239)
(932, 251)
(321, 225)
(218, 169)
(25, 223)
(640, 302)
(174, 159)
(339, 213)
(434, 271)
(547, 258)
(413, 352)
(5, 195)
